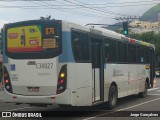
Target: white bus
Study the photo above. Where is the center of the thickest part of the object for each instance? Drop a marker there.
(56, 62)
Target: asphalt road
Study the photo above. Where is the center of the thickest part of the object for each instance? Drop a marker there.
(126, 107)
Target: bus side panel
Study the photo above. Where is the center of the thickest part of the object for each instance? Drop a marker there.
(141, 76)
(122, 74)
(109, 77)
(80, 82)
(133, 82)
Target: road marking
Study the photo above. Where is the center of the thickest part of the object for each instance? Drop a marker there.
(139, 104)
(153, 94)
(122, 109)
(18, 109)
(153, 89)
(89, 118)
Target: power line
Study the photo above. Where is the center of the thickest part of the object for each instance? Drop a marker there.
(94, 8)
(107, 6)
(91, 5)
(88, 4)
(125, 2)
(64, 6)
(24, 0)
(73, 11)
(68, 6)
(110, 12)
(90, 10)
(66, 10)
(5, 6)
(49, 6)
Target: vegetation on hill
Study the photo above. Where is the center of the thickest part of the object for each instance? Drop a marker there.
(151, 14)
(150, 37)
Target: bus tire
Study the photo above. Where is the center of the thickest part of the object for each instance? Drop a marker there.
(112, 98)
(63, 106)
(144, 93)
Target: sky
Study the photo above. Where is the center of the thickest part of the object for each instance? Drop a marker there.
(77, 11)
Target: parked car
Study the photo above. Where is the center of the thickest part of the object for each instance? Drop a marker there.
(157, 72)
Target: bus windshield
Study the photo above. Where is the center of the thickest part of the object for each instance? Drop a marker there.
(33, 40)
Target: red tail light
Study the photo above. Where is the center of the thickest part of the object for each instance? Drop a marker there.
(7, 81)
(62, 80)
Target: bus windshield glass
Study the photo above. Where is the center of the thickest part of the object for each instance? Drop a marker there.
(33, 40)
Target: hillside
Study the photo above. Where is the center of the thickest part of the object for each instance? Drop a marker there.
(151, 14)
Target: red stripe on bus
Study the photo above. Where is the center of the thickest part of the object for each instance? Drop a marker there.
(25, 49)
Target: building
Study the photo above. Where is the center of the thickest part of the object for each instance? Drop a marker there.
(141, 26)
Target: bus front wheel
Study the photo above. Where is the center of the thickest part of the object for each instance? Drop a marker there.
(112, 98)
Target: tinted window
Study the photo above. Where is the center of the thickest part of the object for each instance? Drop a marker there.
(96, 52)
(110, 51)
(80, 46)
(132, 53)
(140, 55)
(146, 54)
(122, 52)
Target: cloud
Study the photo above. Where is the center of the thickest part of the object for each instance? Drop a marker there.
(77, 15)
(2, 23)
(128, 8)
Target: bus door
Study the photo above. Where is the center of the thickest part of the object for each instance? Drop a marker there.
(97, 70)
(152, 66)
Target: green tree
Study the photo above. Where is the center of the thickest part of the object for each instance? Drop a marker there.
(150, 37)
(45, 18)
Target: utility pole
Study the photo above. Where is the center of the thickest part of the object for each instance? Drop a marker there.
(158, 22)
(126, 21)
(129, 18)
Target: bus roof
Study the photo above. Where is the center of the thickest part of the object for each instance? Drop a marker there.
(97, 30)
(107, 33)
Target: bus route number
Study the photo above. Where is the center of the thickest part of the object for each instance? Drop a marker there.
(44, 65)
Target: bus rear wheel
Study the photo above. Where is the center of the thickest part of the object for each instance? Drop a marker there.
(112, 99)
(144, 93)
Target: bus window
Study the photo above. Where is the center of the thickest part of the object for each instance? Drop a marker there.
(80, 46)
(140, 55)
(110, 50)
(146, 54)
(132, 53)
(122, 52)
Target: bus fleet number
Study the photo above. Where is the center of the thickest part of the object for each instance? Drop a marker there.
(44, 65)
